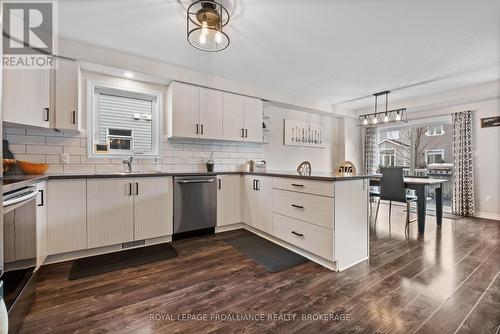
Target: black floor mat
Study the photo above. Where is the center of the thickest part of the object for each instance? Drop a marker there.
(106, 263)
(266, 253)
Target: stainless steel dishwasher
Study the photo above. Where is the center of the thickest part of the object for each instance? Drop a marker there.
(195, 205)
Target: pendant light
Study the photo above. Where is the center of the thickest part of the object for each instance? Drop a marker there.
(206, 20)
(387, 116)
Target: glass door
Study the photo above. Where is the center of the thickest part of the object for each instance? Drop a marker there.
(424, 149)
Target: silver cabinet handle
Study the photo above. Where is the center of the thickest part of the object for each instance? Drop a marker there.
(246, 133)
(197, 129)
(73, 116)
(130, 189)
(47, 112)
(298, 234)
(196, 181)
(137, 188)
(297, 206)
(297, 185)
(201, 128)
(242, 133)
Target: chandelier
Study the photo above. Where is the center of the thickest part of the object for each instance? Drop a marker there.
(386, 116)
(205, 22)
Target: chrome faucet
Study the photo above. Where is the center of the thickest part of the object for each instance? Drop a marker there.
(128, 163)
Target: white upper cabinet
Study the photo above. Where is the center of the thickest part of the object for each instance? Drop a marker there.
(210, 120)
(253, 119)
(233, 118)
(196, 112)
(26, 97)
(66, 94)
(183, 110)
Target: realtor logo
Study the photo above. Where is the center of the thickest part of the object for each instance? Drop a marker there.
(28, 34)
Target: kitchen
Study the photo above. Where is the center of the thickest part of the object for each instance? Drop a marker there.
(125, 172)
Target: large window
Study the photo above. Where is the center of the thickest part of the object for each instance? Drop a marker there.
(124, 122)
(387, 157)
(434, 156)
(423, 149)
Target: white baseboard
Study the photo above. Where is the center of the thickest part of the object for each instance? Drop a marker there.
(486, 215)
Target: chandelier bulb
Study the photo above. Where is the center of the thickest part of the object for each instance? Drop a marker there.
(218, 37)
(204, 28)
(398, 116)
(386, 118)
(203, 38)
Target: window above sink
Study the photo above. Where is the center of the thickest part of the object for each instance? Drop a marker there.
(123, 122)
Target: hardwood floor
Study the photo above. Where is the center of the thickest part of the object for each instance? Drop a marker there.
(445, 281)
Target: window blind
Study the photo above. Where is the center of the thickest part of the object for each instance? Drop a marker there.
(117, 112)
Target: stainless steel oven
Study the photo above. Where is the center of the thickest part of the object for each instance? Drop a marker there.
(19, 253)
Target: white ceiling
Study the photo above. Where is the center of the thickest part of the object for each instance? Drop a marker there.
(327, 50)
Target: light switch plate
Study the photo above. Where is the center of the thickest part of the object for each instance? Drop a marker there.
(65, 159)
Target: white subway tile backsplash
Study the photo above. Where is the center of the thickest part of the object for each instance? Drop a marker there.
(38, 149)
(24, 139)
(179, 155)
(63, 141)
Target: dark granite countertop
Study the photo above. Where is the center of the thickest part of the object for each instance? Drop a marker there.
(18, 181)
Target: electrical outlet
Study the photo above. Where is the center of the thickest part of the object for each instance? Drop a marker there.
(489, 199)
(65, 159)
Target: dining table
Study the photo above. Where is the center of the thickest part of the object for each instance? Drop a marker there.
(422, 186)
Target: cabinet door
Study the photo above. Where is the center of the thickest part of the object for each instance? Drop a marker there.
(184, 110)
(210, 114)
(250, 200)
(264, 205)
(67, 88)
(41, 223)
(153, 207)
(257, 202)
(110, 211)
(233, 113)
(228, 199)
(253, 119)
(67, 210)
(26, 97)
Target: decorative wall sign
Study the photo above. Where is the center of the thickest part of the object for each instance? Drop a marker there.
(306, 134)
(490, 122)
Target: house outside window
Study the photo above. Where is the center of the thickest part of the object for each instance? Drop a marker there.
(434, 156)
(386, 157)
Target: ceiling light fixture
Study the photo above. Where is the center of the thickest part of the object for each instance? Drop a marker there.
(205, 22)
(387, 115)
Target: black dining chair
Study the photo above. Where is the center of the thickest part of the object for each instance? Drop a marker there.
(392, 189)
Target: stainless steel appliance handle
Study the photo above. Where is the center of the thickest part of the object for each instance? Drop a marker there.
(196, 181)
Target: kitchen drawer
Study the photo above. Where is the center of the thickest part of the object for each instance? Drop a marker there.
(313, 209)
(323, 188)
(312, 238)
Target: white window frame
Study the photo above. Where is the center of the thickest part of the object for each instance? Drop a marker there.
(433, 151)
(390, 155)
(156, 97)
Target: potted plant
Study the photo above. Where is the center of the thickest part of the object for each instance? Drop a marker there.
(210, 163)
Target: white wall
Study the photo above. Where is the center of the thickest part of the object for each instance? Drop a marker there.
(350, 142)
(281, 157)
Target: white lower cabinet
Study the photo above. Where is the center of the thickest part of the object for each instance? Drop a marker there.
(128, 209)
(110, 211)
(98, 212)
(67, 216)
(41, 223)
(258, 202)
(228, 199)
(153, 207)
(313, 238)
